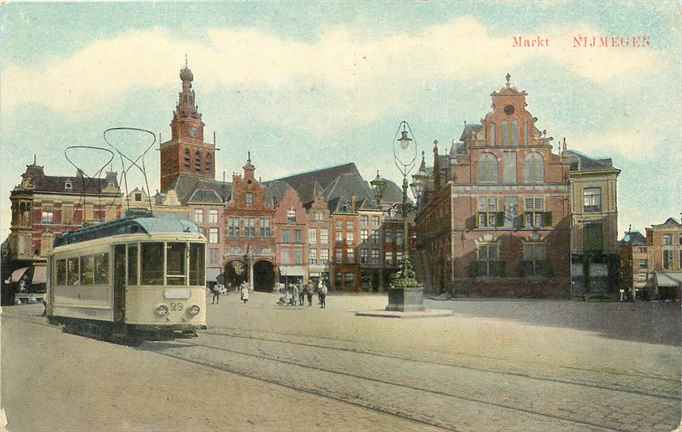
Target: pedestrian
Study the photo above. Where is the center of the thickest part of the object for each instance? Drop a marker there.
(323, 294)
(217, 290)
(301, 295)
(294, 294)
(245, 292)
(309, 294)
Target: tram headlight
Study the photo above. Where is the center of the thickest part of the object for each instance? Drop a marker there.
(161, 310)
(194, 310)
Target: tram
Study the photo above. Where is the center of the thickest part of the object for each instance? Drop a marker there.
(132, 279)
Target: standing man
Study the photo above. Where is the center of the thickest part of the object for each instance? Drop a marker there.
(245, 292)
(323, 294)
(309, 294)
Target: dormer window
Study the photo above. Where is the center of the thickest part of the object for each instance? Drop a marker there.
(291, 215)
(68, 186)
(138, 196)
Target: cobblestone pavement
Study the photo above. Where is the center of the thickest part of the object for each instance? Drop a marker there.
(492, 366)
(451, 386)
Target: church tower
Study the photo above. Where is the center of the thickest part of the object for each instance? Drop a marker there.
(186, 153)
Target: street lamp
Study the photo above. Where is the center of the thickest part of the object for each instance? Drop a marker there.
(378, 186)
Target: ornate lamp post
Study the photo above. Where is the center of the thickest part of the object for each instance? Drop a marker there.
(405, 293)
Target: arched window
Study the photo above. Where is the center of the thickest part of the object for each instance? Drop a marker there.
(487, 168)
(491, 134)
(534, 169)
(197, 161)
(505, 134)
(188, 158)
(526, 132)
(515, 133)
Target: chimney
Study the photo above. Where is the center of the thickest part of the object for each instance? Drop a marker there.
(353, 201)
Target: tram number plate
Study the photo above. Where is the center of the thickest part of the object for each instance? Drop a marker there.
(176, 307)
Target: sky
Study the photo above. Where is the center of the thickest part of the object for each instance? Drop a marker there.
(305, 85)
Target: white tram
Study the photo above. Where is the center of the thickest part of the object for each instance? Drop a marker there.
(131, 279)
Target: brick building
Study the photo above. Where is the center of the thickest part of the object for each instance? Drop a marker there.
(494, 219)
(664, 243)
(634, 263)
(45, 206)
(186, 152)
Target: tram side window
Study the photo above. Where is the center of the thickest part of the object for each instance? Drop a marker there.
(176, 271)
(102, 268)
(197, 266)
(61, 272)
(132, 264)
(152, 264)
(87, 270)
(72, 271)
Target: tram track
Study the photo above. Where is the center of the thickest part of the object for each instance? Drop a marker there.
(460, 366)
(420, 418)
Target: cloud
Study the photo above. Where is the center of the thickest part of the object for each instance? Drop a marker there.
(343, 78)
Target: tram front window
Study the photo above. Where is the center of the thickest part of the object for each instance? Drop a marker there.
(176, 272)
(152, 264)
(197, 266)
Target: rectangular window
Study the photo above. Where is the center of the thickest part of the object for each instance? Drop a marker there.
(535, 215)
(197, 265)
(299, 257)
(399, 257)
(89, 212)
(643, 264)
(265, 227)
(324, 256)
(349, 280)
(284, 257)
(388, 237)
(198, 216)
(291, 216)
(67, 214)
(533, 259)
(339, 226)
(299, 236)
(339, 281)
(399, 238)
(375, 221)
(87, 270)
(375, 256)
(312, 256)
(249, 199)
(250, 227)
(668, 240)
(312, 236)
(233, 227)
(487, 212)
(152, 264)
(349, 238)
(72, 271)
(286, 236)
(592, 199)
(176, 272)
(339, 255)
(364, 256)
(339, 236)
(324, 236)
(61, 272)
(47, 216)
(213, 216)
(593, 237)
(667, 259)
(132, 264)
(350, 226)
(213, 235)
(488, 264)
(375, 236)
(364, 220)
(102, 268)
(388, 258)
(213, 256)
(363, 234)
(350, 255)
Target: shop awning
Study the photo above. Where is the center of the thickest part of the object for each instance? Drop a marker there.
(18, 274)
(39, 275)
(291, 271)
(672, 279)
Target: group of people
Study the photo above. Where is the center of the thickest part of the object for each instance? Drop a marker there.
(219, 289)
(296, 294)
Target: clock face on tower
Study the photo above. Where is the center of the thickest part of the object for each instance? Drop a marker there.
(193, 132)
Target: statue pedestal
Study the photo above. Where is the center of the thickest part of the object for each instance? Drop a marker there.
(406, 299)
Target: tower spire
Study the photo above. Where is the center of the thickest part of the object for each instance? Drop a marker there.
(508, 77)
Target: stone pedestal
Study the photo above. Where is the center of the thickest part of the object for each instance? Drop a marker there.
(406, 299)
